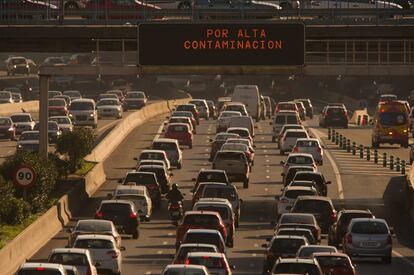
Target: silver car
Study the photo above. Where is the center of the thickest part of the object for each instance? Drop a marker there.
(368, 237)
(83, 113)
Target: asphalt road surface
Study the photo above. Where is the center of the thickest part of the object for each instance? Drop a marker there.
(355, 183)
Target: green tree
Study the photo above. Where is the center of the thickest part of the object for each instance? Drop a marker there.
(38, 196)
(76, 145)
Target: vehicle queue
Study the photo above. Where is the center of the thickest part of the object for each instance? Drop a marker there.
(206, 231)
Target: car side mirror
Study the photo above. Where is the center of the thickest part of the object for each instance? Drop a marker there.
(265, 245)
(328, 182)
(122, 248)
(136, 159)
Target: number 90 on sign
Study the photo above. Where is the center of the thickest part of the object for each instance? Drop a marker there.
(24, 176)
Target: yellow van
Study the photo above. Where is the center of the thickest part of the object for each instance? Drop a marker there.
(390, 124)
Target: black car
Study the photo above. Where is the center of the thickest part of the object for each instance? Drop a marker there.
(281, 247)
(292, 171)
(148, 179)
(338, 229)
(316, 177)
(321, 207)
(210, 175)
(122, 213)
(336, 116)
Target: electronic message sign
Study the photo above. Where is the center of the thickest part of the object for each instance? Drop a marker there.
(221, 44)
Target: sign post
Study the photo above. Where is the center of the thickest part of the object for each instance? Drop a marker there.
(24, 177)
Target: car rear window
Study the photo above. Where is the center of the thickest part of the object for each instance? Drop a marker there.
(182, 254)
(203, 238)
(94, 244)
(390, 119)
(309, 177)
(5, 122)
(29, 136)
(201, 220)
(56, 102)
(94, 226)
(177, 128)
(290, 246)
(335, 111)
(347, 217)
(140, 178)
(308, 251)
(115, 208)
(209, 262)
(20, 118)
(224, 193)
(297, 268)
(156, 156)
(292, 120)
(305, 219)
(39, 272)
(307, 143)
(300, 160)
(296, 134)
(332, 261)
(223, 211)
(164, 146)
(212, 177)
(69, 259)
(313, 206)
(293, 194)
(369, 227)
(229, 156)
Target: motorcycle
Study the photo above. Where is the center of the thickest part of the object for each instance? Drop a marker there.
(176, 211)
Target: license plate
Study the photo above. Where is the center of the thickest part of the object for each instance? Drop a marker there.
(369, 244)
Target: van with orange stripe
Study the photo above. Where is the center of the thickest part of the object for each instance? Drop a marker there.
(390, 124)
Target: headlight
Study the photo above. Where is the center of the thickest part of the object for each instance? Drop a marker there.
(27, 66)
(91, 114)
(14, 66)
(11, 129)
(19, 146)
(70, 115)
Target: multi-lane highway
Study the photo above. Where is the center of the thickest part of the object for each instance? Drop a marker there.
(355, 183)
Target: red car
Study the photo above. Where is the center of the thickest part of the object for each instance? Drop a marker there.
(335, 263)
(128, 9)
(58, 107)
(7, 128)
(200, 220)
(180, 132)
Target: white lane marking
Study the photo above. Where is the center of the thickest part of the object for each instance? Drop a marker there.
(164, 243)
(256, 245)
(265, 151)
(267, 160)
(9, 152)
(159, 131)
(334, 166)
(254, 254)
(267, 171)
(266, 189)
(206, 150)
(403, 258)
(159, 252)
(170, 234)
(266, 156)
(267, 177)
(148, 273)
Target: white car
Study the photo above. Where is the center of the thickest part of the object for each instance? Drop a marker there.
(289, 195)
(80, 258)
(23, 122)
(287, 127)
(83, 112)
(235, 164)
(236, 106)
(104, 251)
(310, 146)
(109, 107)
(202, 107)
(224, 120)
(242, 132)
(39, 268)
(64, 123)
(139, 195)
(289, 138)
(298, 159)
(216, 263)
(155, 155)
(282, 118)
(184, 269)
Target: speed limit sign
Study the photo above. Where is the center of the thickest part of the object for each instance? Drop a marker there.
(24, 176)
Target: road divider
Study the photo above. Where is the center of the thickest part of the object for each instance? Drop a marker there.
(27, 243)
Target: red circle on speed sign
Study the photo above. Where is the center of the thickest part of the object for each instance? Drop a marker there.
(24, 176)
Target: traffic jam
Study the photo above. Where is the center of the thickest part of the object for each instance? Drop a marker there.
(310, 236)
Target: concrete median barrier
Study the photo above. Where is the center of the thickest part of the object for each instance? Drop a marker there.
(28, 107)
(360, 117)
(27, 243)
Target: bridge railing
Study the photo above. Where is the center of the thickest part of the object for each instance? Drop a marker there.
(48, 15)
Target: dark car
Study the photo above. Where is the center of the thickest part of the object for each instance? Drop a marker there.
(281, 247)
(297, 231)
(122, 213)
(189, 108)
(317, 177)
(299, 220)
(210, 175)
(53, 130)
(338, 229)
(212, 109)
(321, 207)
(308, 106)
(7, 128)
(148, 179)
(218, 141)
(334, 116)
(163, 176)
(292, 171)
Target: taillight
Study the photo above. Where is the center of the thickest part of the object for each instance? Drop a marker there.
(333, 216)
(133, 215)
(40, 269)
(187, 261)
(348, 239)
(113, 253)
(295, 149)
(98, 215)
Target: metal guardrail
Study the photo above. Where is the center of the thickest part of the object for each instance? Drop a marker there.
(107, 16)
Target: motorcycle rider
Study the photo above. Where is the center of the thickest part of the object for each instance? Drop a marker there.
(174, 195)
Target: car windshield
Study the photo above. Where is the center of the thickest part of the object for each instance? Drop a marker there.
(313, 206)
(240, 132)
(5, 122)
(105, 102)
(82, 106)
(223, 193)
(333, 261)
(30, 136)
(309, 177)
(135, 95)
(223, 211)
(94, 244)
(201, 220)
(57, 102)
(91, 226)
(52, 126)
(369, 227)
(335, 111)
(300, 160)
(287, 245)
(76, 259)
(393, 119)
(20, 118)
(5, 95)
(60, 120)
(209, 262)
(18, 61)
(296, 268)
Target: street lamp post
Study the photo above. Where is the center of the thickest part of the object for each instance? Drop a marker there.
(43, 115)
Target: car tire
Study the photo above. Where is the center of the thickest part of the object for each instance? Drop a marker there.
(135, 235)
(246, 183)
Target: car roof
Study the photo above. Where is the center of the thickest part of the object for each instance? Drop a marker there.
(128, 187)
(213, 201)
(307, 139)
(70, 250)
(299, 155)
(94, 221)
(205, 254)
(293, 229)
(297, 260)
(217, 184)
(368, 220)
(319, 198)
(305, 188)
(230, 151)
(83, 100)
(289, 237)
(167, 140)
(203, 231)
(200, 212)
(197, 245)
(328, 254)
(19, 114)
(204, 170)
(95, 236)
(186, 266)
(45, 265)
(296, 130)
(153, 150)
(116, 201)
